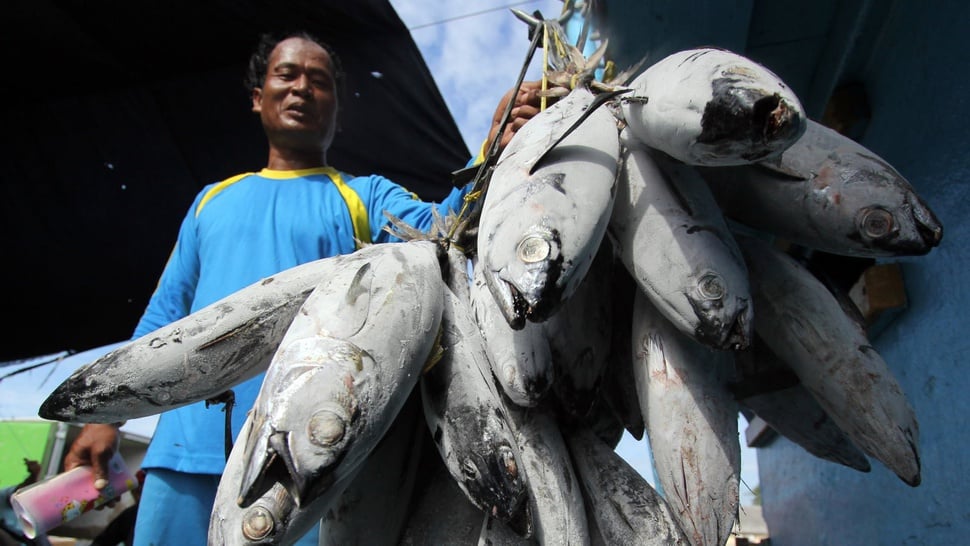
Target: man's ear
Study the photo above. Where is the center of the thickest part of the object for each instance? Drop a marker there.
(257, 100)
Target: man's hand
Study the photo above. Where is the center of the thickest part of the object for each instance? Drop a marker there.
(526, 106)
(94, 446)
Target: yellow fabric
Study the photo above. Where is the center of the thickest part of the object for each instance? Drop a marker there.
(358, 212)
(481, 155)
(218, 188)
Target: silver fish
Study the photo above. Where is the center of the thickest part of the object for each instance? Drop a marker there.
(557, 510)
(440, 511)
(803, 323)
(674, 241)
(384, 485)
(495, 532)
(772, 391)
(626, 510)
(343, 370)
(712, 107)
(692, 424)
(521, 359)
(618, 388)
(384, 482)
(466, 417)
(829, 193)
(194, 358)
(580, 337)
(273, 518)
(546, 210)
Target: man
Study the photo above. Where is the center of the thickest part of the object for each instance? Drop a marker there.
(243, 229)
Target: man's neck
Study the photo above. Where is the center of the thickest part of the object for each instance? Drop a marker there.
(290, 160)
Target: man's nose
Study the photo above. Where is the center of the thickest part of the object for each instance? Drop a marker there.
(301, 85)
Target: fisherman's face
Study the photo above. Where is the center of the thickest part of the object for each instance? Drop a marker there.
(298, 101)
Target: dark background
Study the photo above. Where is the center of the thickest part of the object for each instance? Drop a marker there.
(117, 113)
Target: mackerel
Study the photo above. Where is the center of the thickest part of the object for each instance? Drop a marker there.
(383, 486)
(769, 388)
(194, 358)
(692, 424)
(547, 206)
(343, 370)
(618, 388)
(625, 508)
(558, 514)
(829, 193)
(263, 521)
(521, 359)
(383, 483)
(803, 323)
(674, 241)
(713, 107)
(467, 419)
(580, 336)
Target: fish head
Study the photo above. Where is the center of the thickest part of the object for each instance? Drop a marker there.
(751, 115)
(492, 477)
(262, 522)
(526, 285)
(488, 470)
(725, 318)
(100, 392)
(890, 219)
(304, 431)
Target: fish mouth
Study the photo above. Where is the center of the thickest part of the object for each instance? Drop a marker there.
(58, 406)
(279, 466)
(527, 288)
(723, 323)
(510, 301)
(498, 482)
(269, 469)
(929, 227)
(912, 231)
(739, 336)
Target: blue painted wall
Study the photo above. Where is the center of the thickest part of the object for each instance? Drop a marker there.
(919, 82)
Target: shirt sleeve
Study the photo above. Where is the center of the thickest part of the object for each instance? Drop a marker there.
(395, 199)
(175, 291)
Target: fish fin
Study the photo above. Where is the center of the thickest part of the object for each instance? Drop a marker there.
(599, 100)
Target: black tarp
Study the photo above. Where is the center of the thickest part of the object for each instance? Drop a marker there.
(118, 112)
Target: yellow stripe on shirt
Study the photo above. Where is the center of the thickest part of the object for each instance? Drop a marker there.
(356, 208)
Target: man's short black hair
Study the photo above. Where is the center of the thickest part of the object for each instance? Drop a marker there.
(259, 60)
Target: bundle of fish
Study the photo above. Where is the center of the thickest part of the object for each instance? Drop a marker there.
(624, 278)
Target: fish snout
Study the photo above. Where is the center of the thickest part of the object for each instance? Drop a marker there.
(724, 320)
(929, 227)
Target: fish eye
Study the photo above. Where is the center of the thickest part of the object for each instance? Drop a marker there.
(325, 428)
(877, 223)
(257, 523)
(533, 249)
(711, 287)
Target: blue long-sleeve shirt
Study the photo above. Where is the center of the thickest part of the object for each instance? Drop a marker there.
(240, 231)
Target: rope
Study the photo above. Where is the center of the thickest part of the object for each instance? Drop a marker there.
(479, 186)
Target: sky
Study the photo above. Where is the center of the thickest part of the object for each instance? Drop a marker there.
(475, 51)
